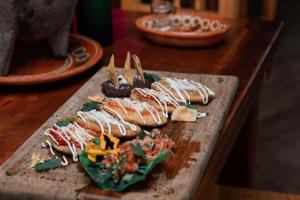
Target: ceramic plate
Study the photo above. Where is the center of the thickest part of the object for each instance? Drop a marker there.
(34, 64)
(178, 37)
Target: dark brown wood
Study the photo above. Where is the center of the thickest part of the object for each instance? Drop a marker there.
(238, 193)
(234, 125)
(243, 53)
(239, 167)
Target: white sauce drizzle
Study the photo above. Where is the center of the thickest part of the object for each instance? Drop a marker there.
(71, 147)
(181, 86)
(91, 117)
(138, 107)
(201, 114)
(120, 104)
(67, 134)
(80, 114)
(132, 126)
(149, 134)
(74, 135)
(48, 134)
(165, 90)
(44, 145)
(64, 162)
(60, 132)
(131, 106)
(50, 147)
(85, 137)
(159, 97)
(102, 117)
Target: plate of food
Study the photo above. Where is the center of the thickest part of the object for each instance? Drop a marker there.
(34, 64)
(152, 140)
(184, 28)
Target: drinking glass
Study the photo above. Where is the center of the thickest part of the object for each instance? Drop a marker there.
(162, 9)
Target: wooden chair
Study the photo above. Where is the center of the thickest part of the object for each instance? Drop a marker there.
(135, 5)
(226, 8)
(269, 10)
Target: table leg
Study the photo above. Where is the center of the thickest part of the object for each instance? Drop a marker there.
(242, 124)
(239, 166)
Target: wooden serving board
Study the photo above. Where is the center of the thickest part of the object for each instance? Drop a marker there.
(176, 179)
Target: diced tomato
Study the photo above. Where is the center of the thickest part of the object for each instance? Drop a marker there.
(61, 141)
(132, 167)
(58, 138)
(126, 147)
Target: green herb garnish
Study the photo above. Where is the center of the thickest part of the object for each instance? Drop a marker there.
(187, 105)
(142, 134)
(90, 106)
(152, 77)
(48, 164)
(137, 149)
(97, 142)
(65, 122)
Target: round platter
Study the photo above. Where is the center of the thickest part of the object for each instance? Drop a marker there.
(184, 39)
(34, 64)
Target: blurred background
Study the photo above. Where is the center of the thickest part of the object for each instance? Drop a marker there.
(275, 164)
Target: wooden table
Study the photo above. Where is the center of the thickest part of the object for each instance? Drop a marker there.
(246, 53)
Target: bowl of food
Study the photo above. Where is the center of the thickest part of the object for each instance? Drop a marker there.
(184, 29)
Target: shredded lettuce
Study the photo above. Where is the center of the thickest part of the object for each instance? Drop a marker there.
(48, 164)
(188, 105)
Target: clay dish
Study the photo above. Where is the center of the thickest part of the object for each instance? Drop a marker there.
(184, 39)
(36, 65)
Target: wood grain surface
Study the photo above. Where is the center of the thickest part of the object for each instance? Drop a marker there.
(246, 53)
(177, 179)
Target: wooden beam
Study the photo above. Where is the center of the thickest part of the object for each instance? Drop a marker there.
(229, 8)
(135, 5)
(243, 13)
(269, 10)
(200, 4)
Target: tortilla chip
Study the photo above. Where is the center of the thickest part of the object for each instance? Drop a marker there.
(138, 67)
(127, 70)
(112, 72)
